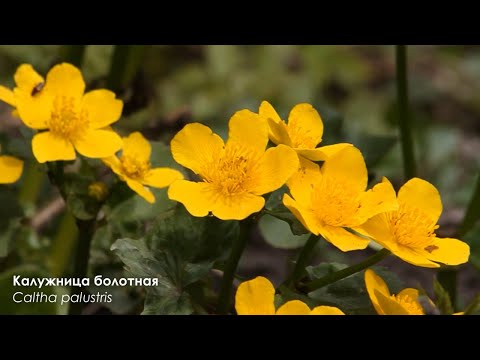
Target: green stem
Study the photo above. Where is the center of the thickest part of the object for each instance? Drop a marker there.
(409, 165)
(472, 214)
(63, 245)
(303, 258)
(32, 184)
(74, 54)
(86, 229)
(339, 275)
(238, 246)
(126, 59)
(448, 277)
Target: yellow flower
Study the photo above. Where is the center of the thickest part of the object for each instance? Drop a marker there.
(303, 132)
(72, 120)
(409, 232)
(256, 297)
(134, 167)
(333, 198)
(98, 190)
(405, 303)
(10, 169)
(233, 175)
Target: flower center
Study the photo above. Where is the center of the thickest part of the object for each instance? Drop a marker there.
(408, 303)
(300, 137)
(413, 228)
(67, 120)
(134, 167)
(334, 203)
(231, 170)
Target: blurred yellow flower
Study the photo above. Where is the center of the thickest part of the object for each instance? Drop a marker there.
(11, 169)
(256, 297)
(98, 190)
(72, 120)
(333, 198)
(233, 175)
(303, 132)
(405, 303)
(409, 232)
(134, 167)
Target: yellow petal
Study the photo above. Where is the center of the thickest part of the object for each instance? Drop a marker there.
(374, 285)
(6, 95)
(410, 292)
(65, 80)
(98, 143)
(141, 190)
(113, 163)
(47, 147)
(200, 198)
(390, 306)
(276, 166)
(27, 78)
(34, 111)
(306, 123)
(236, 207)
(322, 153)
(255, 297)
(294, 307)
(378, 228)
(196, 145)
(347, 166)
(162, 177)
(102, 108)
(302, 181)
(381, 198)
(303, 214)
(278, 132)
(10, 169)
(249, 129)
(412, 257)
(423, 195)
(326, 310)
(137, 147)
(449, 251)
(196, 197)
(342, 239)
(267, 111)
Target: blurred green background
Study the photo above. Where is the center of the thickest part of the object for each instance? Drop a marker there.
(165, 87)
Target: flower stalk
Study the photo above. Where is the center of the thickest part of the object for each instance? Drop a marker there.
(409, 165)
(302, 260)
(342, 274)
(225, 295)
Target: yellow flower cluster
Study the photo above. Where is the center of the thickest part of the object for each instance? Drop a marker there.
(68, 121)
(327, 185)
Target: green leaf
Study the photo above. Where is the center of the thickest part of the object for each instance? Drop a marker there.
(81, 204)
(474, 307)
(136, 208)
(473, 239)
(179, 251)
(27, 305)
(10, 208)
(472, 213)
(274, 207)
(190, 238)
(349, 294)
(442, 299)
(10, 213)
(277, 233)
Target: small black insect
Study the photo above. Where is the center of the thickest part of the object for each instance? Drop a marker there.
(37, 88)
